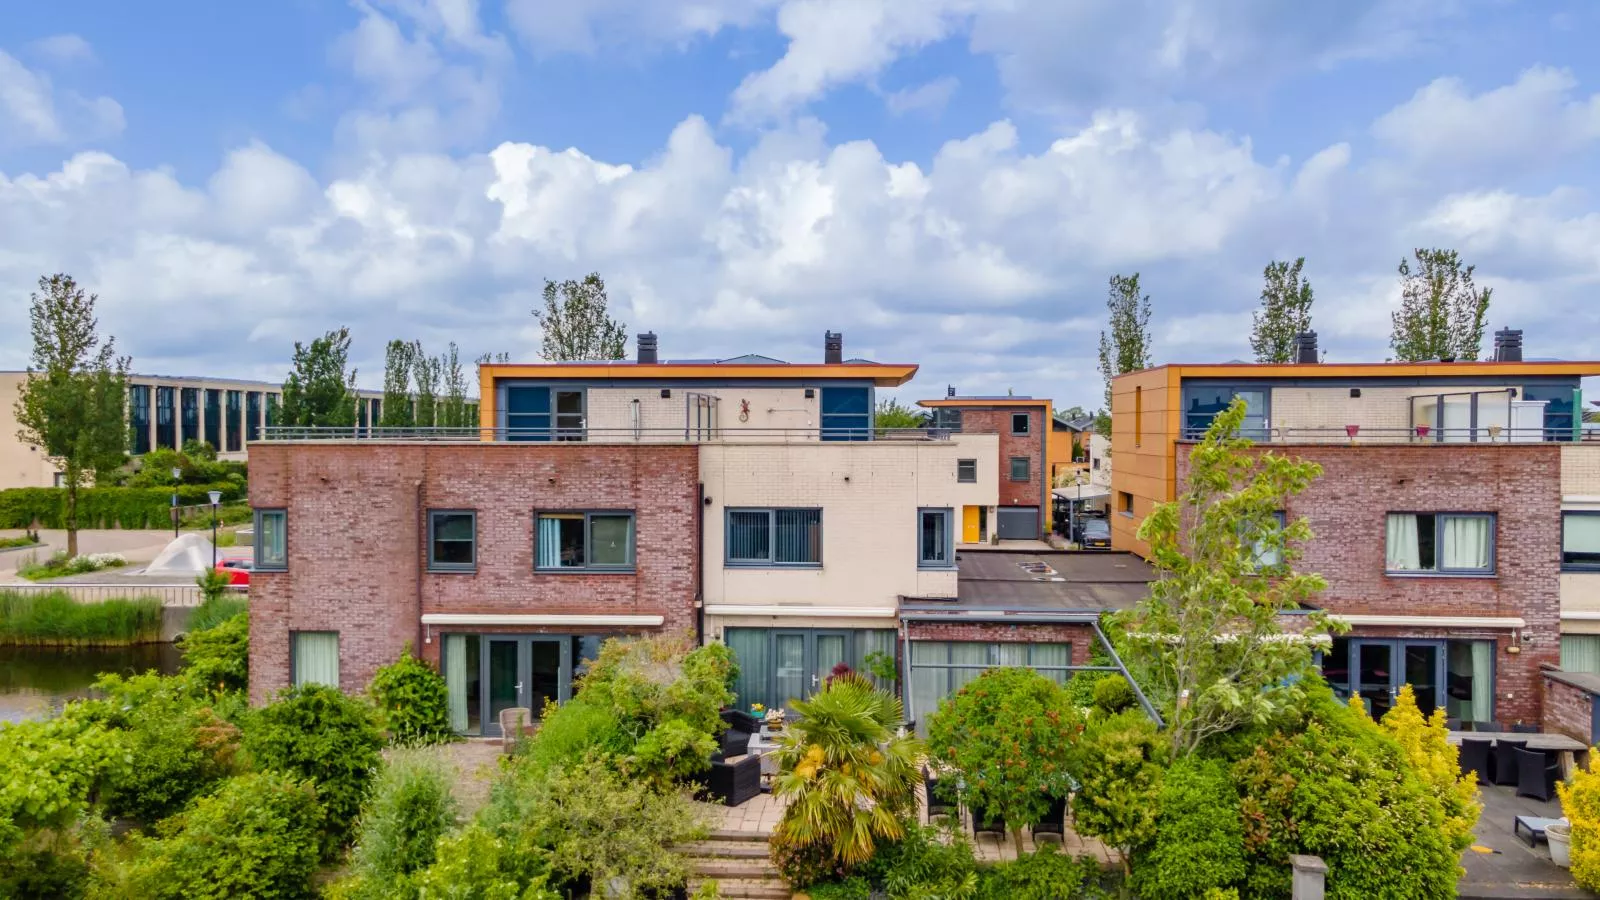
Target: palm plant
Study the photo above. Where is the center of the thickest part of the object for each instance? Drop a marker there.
(849, 778)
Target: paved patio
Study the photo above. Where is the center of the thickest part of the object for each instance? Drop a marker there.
(1500, 865)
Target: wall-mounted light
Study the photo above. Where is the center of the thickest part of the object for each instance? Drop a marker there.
(811, 393)
(708, 501)
(666, 393)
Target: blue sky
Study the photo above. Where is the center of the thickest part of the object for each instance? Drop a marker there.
(949, 182)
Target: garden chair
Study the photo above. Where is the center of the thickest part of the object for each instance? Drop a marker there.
(1536, 774)
(982, 821)
(939, 802)
(735, 775)
(1475, 758)
(1504, 761)
(1054, 821)
(514, 724)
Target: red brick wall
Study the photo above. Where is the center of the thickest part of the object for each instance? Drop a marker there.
(1031, 445)
(356, 528)
(1520, 483)
(1568, 710)
(1081, 637)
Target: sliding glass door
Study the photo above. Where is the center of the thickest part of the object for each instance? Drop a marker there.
(1375, 670)
(780, 665)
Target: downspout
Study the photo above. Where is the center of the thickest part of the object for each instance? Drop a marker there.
(422, 560)
(700, 564)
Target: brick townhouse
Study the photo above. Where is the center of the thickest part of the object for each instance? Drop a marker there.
(1024, 426)
(1438, 519)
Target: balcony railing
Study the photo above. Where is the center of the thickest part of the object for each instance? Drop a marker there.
(601, 435)
(1422, 435)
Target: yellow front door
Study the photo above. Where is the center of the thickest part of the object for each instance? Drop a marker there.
(970, 529)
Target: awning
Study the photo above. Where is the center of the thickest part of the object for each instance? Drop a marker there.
(807, 611)
(1507, 622)
(596, 621)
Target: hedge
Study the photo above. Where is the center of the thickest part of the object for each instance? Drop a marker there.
(106, 507)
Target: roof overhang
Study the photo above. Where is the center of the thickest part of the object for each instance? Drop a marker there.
(880, 374)
(970, 402)
(490, 619)
(808, 611)
(1504, 622)
(1487, 368)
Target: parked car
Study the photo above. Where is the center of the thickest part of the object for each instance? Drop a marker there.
(237, 570)
(1096, 534)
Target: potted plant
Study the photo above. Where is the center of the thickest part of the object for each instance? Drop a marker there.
(1559, 835)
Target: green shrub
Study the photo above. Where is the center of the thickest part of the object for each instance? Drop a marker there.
(108, 507)
(217, 659)
(411, 807)
(1199, 837)
(413, 700)
(51, 862)
(213, 611)
(255, 838)
(213, 585)
(27, 540)
(1045, 874)
(60, 564)
(572, 731)
(54, 618)
(49, 771)
(1113, 694)
(924, 863)
(1120, 763)
(317, 732)
(852, 888)
(476, 863)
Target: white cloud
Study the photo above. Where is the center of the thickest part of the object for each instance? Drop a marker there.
(64, 48)
(929, 98)
(562, 26)
(33, 112)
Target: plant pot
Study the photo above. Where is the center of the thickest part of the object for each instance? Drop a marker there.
(1422, 431)
(1351, 431)
(1559, 834)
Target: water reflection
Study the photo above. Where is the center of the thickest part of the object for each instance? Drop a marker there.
(36, 682)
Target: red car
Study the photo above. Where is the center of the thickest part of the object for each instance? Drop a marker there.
(237, 570)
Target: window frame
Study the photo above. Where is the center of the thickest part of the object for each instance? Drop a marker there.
(1125, 504)
(589, 568)
(771, 561)
(1255, 555)
(1576, 566)
(261, 514)
(1011, 469)
(949, 515)
(1439, 571)
(1027, 423)
(967, 463)
(445, 567)
(845, 426)
(338, 648)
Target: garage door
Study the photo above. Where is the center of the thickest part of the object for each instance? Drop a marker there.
(1019, 523)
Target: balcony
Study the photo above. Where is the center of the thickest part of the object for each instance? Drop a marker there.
(1415, 435)
(691, 435)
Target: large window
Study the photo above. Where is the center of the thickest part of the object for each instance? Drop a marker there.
(252, 416)
(846, 414)
(452, 540)
(1440, 543)
(1457, 675)
(940, 668)
(235, 421)
(946, 418)
(1019, 468)
(189, 407)
(1580, 541)
(1558, 408)
(314, 657)
(774, 537)
(166, 418)
(214, 419)
(139, 419)
(1201, 403)
(543, 413)
(584, 541)
(779, 665)
(272, 550)
(935, 538)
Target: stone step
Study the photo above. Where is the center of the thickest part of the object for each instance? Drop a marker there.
(746, 889)
(744, 837)
(725, 849)
(733, 868)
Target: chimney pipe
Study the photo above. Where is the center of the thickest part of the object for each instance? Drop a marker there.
(647, 347)
(1305, 347)
(950, 391)
(832, 347)
(1508, 345)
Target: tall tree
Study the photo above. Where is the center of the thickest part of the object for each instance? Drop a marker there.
(1285, 312)
(576, 323)
(1442, 313)
(72, 402)
(1208, 637)
(453, 407)
(319, 392)
(427, 369)
(891, 413)
(398, 359)
(1127, 349)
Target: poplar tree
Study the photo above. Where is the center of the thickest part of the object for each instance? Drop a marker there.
(1127, 349)
(1285, 312)
(398, 359)
(1442, 313)
(576, 323)
(319, 392)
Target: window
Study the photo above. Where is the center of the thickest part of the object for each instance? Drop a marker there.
(1020, 423)
(314, 658)
(1440, 543)
(1580, 541)
(1268, 558)
(1125, 503)
(940, 668)
(1094, 463)
(846, 414)
(1019, 468)
(452, 544)
(935, 538)
(947, 419)
(272, 552)
(774, 537)
(966, 471)
(543, 413)
(1201, 403)
(585, 541)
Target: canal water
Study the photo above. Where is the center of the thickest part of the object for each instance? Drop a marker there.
(35, 682)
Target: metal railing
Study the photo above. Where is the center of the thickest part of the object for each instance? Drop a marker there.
(692, 435)
(168, 594)
(1418, 435)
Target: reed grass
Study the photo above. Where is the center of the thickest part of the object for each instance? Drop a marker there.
(54, 619)
(215, 611)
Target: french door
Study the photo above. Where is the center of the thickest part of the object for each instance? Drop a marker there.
(802, 660)
(525, 671)
(1381, 667)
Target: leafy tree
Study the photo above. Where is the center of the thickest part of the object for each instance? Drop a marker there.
(319, 392)
(1010, 733)
(1208, 635)
(1199, 835)
(216, 660)
(71, 403)
(1071, 412)
(849, 778)
(1426, 744)
(427, 370)
(1121, 763)
(1127, 349)
(890, 413)
(576, 323)
(1285, 312)
(453, 405)
(414, 701)
(1442, 313)
(398, 359)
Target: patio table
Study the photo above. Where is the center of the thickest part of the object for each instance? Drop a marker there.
(1533, 825)
(1569, 752)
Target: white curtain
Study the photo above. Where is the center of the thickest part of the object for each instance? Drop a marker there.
(1403, 553)
(929, 685)
(1466, 543)
(1053, 655)
(1482, 680)
(455, 679)
(549, 542)
(316, 658)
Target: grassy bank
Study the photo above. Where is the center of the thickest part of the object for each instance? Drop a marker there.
(54, 619)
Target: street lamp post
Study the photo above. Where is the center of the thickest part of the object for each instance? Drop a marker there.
(177, 474)
(216, 498)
